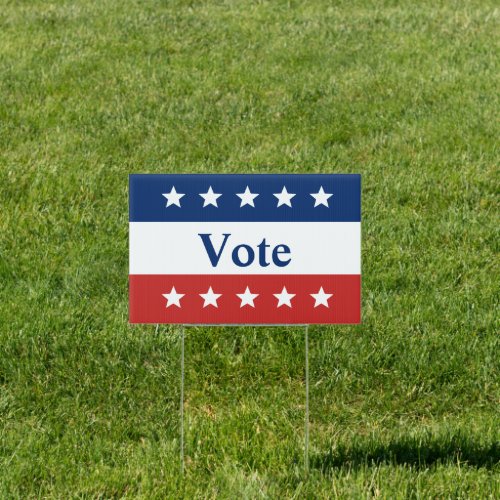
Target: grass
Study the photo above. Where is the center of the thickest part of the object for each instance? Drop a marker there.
(403, 92)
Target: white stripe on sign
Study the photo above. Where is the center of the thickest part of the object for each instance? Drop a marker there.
(245, 248)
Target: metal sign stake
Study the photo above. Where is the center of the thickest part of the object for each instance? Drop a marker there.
(306, 444)
(182, 402)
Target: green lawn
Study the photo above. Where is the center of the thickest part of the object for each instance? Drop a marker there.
(405, 405)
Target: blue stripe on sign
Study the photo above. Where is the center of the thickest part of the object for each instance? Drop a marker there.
(147, 203)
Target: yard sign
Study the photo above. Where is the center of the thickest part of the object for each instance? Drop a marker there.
(245, 249)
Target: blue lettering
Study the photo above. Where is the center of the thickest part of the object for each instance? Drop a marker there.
(236, 256)
(212, 254)
(244, 255)
(283, 250)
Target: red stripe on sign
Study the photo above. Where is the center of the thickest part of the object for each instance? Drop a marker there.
(245, 299)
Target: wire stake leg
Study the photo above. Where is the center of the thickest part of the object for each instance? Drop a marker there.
(182, 402)
(306, 434)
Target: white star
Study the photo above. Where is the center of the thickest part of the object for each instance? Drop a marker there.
(210, 298)
(247, 298)
(210, 198)
(284, 198)
(321, 298)
(173, 298)
(247, 197)
(284, 298)
(321, 198)
(173, 197)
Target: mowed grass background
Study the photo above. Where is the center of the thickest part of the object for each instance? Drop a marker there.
(405, 405)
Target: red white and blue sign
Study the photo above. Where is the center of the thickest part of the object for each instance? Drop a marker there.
(245, 249)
